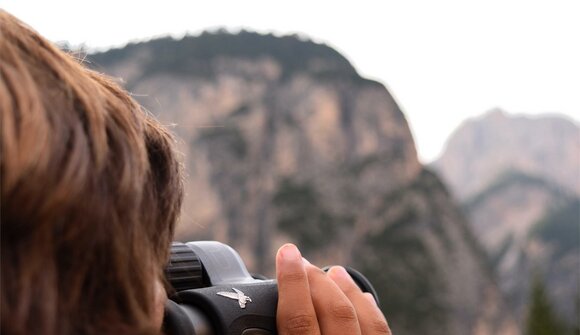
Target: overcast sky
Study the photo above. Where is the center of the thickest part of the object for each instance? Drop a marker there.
(444, 61)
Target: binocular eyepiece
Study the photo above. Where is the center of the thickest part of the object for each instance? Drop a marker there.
(215, 293)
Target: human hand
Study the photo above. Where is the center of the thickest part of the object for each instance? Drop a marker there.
(311, 301)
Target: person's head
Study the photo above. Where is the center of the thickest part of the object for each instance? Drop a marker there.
(90, 193)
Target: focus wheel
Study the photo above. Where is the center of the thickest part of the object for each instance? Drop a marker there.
(184, 270)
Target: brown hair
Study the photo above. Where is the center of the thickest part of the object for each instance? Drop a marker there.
(90, 193)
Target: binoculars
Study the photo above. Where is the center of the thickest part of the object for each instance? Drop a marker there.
(215, 294)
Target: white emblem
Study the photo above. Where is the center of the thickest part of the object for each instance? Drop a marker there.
(239, 296)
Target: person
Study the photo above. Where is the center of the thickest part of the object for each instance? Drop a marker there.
(91, 188)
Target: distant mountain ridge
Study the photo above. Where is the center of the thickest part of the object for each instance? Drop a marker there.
(518, 180)
(483, 148)
(284, 141)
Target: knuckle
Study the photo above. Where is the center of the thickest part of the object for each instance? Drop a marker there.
(293, 277)
(300, 324)
(379, 326)
(345, 313)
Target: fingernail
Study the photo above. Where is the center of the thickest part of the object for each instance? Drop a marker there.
(338, 272)
(305, 261)
(289, 252)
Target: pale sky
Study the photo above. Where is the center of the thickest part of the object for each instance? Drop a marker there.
(443, 61)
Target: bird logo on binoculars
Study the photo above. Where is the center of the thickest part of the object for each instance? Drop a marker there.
(238, 295)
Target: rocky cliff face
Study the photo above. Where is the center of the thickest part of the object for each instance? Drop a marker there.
(482, 149)
(283, 141)
(531, 227)
(529, 224)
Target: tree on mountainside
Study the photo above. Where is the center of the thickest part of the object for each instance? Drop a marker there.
(541, 317)
(576, 327)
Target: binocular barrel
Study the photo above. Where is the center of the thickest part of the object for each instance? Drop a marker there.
(215, 293)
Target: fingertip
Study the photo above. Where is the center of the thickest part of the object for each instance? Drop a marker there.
(289, 260)
(288, 252)
(342, 278)
(338, 273)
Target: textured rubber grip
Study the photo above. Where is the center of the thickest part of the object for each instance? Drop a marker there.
(184, 270)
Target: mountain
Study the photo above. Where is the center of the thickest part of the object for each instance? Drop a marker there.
(284, 141)
(483, 148)
(531, 227)
(522, 202)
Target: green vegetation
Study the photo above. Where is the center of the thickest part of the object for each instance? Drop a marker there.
(230, 137)
(193, 55)
(430, 188)
(429, 182)
(358, 167)
(240, 111)
(302, 215)
(403, 271)
(411, 284)
(509, 179)
(576, 326)
(541, 317)
(561, 227)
